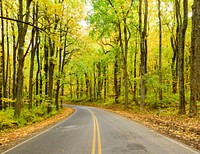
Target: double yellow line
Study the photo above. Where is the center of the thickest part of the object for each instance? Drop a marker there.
(96, 134)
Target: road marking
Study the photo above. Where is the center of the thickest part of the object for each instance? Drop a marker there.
(96, 132)
(94, 135)
(99, 137)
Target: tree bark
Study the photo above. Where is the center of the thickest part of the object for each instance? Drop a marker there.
(143, 50)
(116, 74)
(22, 29)
(14, 90)
(181, 46)
(6, 94)
(125, 57)
(195, 59)
(32, 63)
(1, 77)
(160, 51)
(105, 83)
(94, 82)
(135, 75)
(46, 64)
(3, 55)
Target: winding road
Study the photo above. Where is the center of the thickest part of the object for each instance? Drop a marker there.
(94, 131)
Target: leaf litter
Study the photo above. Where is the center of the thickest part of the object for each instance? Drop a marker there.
(182, 128)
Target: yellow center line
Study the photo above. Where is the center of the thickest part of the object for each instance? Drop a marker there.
(96, 130)
(94, 136)
(99, 137)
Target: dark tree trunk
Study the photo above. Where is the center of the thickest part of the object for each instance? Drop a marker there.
(181, 46)
(116, 69)
(22, 29)
(6, 94)
(2, 56)
(135, 75)
(51, 70)
(125, 57)
(32, 63)
(14, 90)
(98, 80)
(37, 76)
(105, 83)
(143, 50)
(77, 88)
(195, 59)
(1, 77)
(46, 65)
(71, 85)
(81, 89)
(59, 76)
(90, 86)
(38, 59)
(160, 51)
(94, 81)
(87, 85)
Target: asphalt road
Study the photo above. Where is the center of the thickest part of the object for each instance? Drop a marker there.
(94, 131)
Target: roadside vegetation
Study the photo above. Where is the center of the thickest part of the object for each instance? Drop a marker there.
(37, 114)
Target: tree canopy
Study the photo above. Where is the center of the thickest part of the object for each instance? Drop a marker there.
(137, 54)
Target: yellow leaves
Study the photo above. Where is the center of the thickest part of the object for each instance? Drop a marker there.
(8, 100)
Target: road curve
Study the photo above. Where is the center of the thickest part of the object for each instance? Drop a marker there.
(94, 131)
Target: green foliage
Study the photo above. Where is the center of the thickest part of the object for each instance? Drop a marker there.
(27, 117)
(6, 120)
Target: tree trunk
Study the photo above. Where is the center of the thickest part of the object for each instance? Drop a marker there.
(71, 85)
(51, 69)
(174, 65)
(59, 76)
(3, 53)
(105, 83)
(37, 76)
(181, 46)
(32, 63)
(143, 50)
(86, 85)
(116, 72)
(6, 94)
(135, 75)
(22, 29)
(94, 85)
(160, 51)
(14, 90)
(46, 64)
(195, 59)
(125, 57)
(77, 87)
(1, 77)
(99, 80)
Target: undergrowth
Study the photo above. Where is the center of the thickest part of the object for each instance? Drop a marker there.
(27, 117)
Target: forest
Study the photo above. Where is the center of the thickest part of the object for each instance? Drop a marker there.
(141, 55)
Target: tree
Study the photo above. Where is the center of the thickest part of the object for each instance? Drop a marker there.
(160, 51)
(143, 50)
(33, 49)
(182, 25)
(22, 30)
(1, 78)
(195, 59)
(1, 58)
